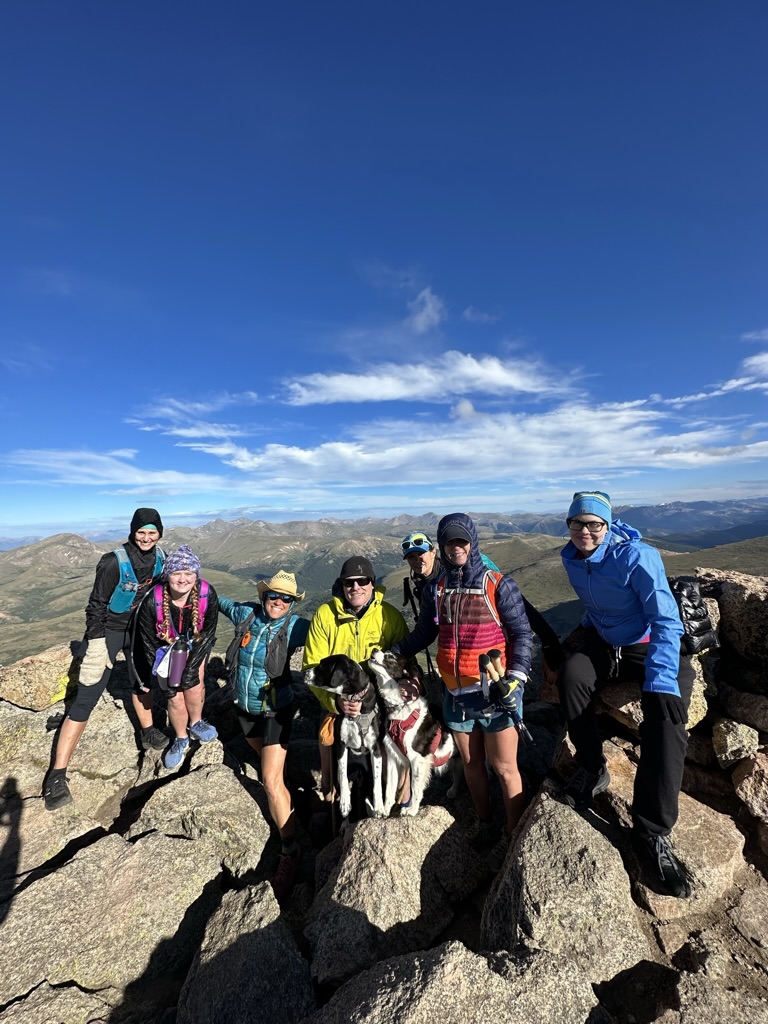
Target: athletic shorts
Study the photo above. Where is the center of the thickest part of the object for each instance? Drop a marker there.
(452, 712)
(270, 729)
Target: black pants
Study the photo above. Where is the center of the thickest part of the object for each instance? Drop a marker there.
(95, 672)
(663, 743)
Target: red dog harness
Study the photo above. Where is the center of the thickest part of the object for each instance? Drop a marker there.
(398, 730)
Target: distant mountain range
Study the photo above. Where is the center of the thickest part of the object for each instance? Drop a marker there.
(45, 585)
(693, 524)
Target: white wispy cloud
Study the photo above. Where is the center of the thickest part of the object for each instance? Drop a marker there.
(477, 316)
(183, 417)
(755, 335)
(27, 359)
(512, 448)
(757, 365)
(384, 275)
(105, 470)
(441, 380)
(426, 312)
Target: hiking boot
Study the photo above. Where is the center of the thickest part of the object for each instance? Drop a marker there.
(584, 787)
(202, 731)
(153, 738)
(176, 753)
(497, 856)
(669, 873)
(56, 793)
(481, 833)
(283, 879)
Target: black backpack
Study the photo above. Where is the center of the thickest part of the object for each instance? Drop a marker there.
(699, 634)
(231, 658)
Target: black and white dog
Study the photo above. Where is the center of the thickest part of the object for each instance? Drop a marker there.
(359, 735)
(414, 740)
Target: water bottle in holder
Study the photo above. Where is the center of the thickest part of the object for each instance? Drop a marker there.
(179, 656)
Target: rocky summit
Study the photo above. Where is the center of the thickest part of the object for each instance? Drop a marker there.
(147, 898)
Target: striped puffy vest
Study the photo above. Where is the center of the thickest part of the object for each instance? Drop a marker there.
(469, 626)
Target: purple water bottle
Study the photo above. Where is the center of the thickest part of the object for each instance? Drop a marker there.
(179, 655)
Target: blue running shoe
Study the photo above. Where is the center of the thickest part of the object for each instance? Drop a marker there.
(175, 754)
(202, 731)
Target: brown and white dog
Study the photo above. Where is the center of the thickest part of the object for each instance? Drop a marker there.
(359, 735)
(413, 740)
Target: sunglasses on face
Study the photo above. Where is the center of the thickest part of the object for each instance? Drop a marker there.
(272, 595)
(416, 541)
(356, 581)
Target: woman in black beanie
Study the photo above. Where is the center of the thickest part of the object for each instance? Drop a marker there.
(122, 578)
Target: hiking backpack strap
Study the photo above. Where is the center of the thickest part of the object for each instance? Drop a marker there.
(202, 604)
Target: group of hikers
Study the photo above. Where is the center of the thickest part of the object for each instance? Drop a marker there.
(160, 611)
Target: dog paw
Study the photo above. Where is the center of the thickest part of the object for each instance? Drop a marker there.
(345, 808)
(409, 812)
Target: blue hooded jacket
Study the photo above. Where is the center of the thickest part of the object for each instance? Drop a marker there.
(626, 595)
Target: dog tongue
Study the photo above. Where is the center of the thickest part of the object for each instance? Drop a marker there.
(409, 689)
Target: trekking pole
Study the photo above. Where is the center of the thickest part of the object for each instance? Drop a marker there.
(496, 671)
(408, 596)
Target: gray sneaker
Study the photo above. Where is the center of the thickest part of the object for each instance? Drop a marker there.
(581, 790)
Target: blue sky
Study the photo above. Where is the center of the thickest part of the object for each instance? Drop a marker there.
(347, 258)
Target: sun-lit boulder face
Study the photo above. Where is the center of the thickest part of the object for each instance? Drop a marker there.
(733, 741)
(213, 806)
(47, 1004)
(30, 836)
(703, 1000)
(392, 891)
(247, 967)
(743, 604)
(451, 983)
(750, 779)
(38, 681)
(116, 913)
(563, 888)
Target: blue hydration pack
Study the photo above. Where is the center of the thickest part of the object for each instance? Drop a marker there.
(125, 593)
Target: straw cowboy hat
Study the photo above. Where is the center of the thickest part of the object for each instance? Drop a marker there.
(282, 583)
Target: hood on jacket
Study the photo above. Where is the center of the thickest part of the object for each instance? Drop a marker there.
(459, 524)
(617, 533)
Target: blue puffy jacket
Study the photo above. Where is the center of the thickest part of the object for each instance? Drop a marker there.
(251, 680)
(626, 596)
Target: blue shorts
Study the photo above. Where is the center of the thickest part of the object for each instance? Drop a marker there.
(473, 702)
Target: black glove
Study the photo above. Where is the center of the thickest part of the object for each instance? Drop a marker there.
(663, 707)
(509, 692)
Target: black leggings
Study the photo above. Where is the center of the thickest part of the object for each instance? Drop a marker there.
(95, 670)
(663, 743)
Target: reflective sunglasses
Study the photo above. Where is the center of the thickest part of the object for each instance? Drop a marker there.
(356, 581)
(577, 525)
(416, 540)
(272, 595)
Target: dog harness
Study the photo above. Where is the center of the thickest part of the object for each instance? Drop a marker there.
(398, 731)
